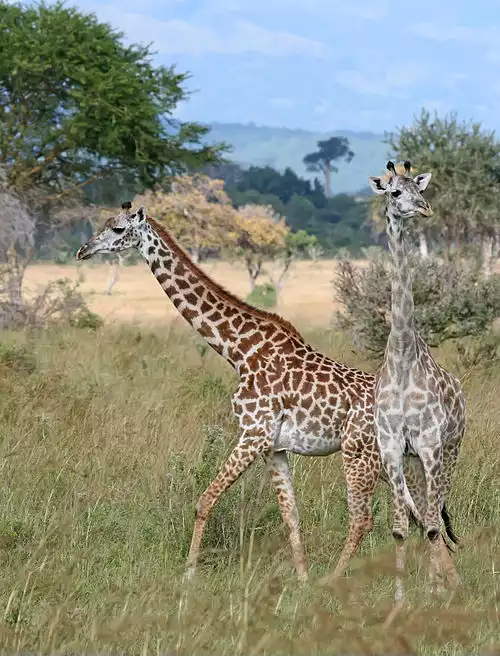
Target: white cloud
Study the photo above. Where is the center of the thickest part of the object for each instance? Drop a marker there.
(183, 37)
(461, 33)
(382, 79)
(363, 10)
(282, 102)
(321, 107)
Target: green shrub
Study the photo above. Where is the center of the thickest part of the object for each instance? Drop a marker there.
(263, 296)
(452, 300)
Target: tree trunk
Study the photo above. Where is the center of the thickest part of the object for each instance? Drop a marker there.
(487, 255)
(278, 282)
(14, 278)
(328, 184)
(423, 244)
(253, 269)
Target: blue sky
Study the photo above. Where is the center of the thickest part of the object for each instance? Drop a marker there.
(323, 64)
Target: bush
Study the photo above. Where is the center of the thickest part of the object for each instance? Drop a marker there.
(263, 296)
(59, 303)
(452, 300)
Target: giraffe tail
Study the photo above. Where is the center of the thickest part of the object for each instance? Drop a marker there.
(449, 529)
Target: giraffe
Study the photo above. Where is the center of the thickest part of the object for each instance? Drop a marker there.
(290, 397)
(419, 406)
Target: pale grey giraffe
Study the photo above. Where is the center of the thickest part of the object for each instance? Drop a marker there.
(419, 407)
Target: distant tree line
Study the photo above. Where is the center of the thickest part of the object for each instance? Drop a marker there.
(339, 221)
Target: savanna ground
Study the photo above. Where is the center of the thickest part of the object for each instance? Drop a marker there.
(109, 437)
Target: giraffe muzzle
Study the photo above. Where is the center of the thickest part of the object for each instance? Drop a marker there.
(83, 253)
(426, 210)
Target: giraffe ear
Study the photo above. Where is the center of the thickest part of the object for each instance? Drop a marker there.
(377, 184)
(422, 180)
(141, 214)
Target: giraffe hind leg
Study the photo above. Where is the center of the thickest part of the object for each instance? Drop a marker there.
(393, 462)
(281, 479)
(361, 463)
(361, 482)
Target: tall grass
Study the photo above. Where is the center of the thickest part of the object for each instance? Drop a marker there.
(107, 440)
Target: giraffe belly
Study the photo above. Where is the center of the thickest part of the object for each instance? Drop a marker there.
(303, 443)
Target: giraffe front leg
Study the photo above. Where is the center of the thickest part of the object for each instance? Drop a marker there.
(431, 455)
(281, 479)
(391, 452)
(254, 443)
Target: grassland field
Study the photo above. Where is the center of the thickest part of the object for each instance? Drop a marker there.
(109, 436)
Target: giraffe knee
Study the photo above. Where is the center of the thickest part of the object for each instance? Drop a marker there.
(202, 508)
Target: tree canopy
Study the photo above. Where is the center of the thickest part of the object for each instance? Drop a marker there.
(465, 190)
(77, 103)
(197, 211)
(337, 222)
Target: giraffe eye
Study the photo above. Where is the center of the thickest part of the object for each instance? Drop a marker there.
(118, 230)
(396, 193)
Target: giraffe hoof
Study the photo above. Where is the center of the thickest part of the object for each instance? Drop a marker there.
(433, 534)
(189, 574)
(396, 609)
(303, 576)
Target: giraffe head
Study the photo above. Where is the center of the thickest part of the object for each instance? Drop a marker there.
(404, 193)
(119, 233)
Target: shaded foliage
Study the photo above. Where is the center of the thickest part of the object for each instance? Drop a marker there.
(336, 222)
(77, 103)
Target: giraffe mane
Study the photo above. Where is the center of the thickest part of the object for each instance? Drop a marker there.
(219, 289)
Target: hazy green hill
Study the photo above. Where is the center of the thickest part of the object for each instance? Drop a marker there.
(281, 147)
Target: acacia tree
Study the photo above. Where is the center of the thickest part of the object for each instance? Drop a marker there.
(328, 151)
(77, 104)
(196, 209)
(297, 244)
(259, 235)
(17, 238)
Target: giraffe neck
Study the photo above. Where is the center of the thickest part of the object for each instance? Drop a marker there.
(232, 328)
(402, 336)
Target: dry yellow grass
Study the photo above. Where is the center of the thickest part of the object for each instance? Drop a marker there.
(307, 296)
(107, 438)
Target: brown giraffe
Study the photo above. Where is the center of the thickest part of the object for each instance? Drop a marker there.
(289, 398)
(419, 406)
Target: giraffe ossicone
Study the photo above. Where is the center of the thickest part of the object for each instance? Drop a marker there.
(419, 406)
